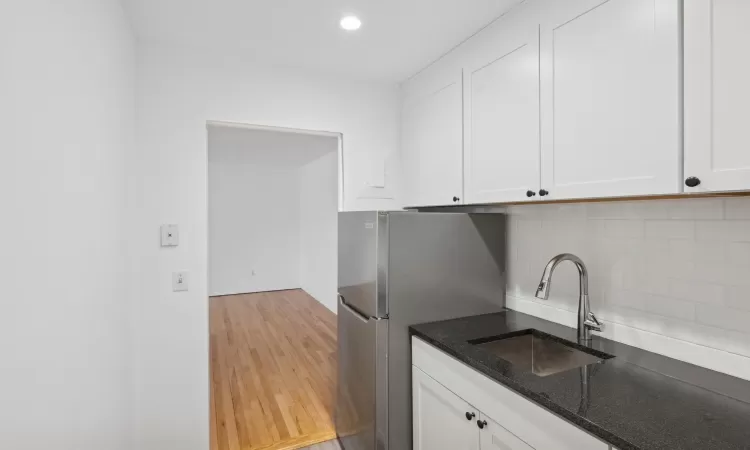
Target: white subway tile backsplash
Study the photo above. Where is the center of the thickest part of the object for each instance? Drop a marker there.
(738, 297)
(724, 318)
(572, 228)
(690, 250)
(654, 284)
(738, 253)
(605, 211)
(696, 291)
(649, 210)
(670, 229)
(655, 247)
(671, 307)
(679, 268)
(736, 276)
(627, 210)
(723, 230)
(737, 208)
(528, 228)
(711, 231)
(615, 228)
(627, 299)
(696, 209)
(665, 268)
(707, 271)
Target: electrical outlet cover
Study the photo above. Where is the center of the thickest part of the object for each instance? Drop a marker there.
(170, 236)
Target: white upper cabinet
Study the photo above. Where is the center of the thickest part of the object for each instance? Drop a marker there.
(441, 421)
(432, 140)
(610, 97)
(501, 112)
(717, 95)
(584, 99)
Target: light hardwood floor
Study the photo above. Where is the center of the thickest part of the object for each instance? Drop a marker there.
(273, 369)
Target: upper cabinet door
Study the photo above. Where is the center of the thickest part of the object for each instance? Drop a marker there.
(610, 95)
(442, 421)
(432, 141)
(501, 112)
(717, 95)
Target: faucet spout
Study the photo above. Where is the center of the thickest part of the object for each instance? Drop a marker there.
(587, 321)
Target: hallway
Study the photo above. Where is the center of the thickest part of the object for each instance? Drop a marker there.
(273, 369)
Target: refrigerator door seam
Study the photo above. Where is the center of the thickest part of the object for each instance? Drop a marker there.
(382, 254)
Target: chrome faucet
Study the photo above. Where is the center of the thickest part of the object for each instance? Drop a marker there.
(587, 321)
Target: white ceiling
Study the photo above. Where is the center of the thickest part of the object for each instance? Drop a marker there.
(236, 145)
(397, 38)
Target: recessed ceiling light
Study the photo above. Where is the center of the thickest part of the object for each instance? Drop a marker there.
(351, 23)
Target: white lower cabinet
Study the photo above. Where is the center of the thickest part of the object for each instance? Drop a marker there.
(494, 437)
(456, 408)
(442, 421)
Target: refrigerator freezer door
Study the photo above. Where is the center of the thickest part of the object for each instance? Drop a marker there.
(363, 253)
(443, 266)
(361, 403)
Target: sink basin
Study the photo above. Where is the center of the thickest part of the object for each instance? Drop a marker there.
(540, 353)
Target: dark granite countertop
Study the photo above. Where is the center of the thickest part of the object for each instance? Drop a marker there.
(636, 400)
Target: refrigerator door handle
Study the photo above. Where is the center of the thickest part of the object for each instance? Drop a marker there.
(351, 309)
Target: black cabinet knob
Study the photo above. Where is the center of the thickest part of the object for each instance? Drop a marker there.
(470, 415)
(692, 182)
(543, 193)
(455, 199)
(481, 423)
(530, 193)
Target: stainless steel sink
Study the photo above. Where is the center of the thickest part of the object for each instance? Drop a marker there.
(539, 353)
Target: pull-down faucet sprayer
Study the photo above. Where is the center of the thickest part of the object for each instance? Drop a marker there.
(587, 321)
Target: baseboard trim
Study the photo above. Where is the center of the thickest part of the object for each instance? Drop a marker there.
(254, 292)
(710, 358)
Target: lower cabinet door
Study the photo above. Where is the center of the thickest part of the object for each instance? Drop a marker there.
(492, 436)
(442, 421)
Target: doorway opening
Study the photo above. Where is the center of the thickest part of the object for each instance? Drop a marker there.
(273, 201)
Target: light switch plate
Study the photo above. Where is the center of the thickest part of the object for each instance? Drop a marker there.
(170, 236)
(179, 281)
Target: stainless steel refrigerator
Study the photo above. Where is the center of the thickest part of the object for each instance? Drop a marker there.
(398, 269)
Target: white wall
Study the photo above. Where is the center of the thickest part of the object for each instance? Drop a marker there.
(66, 121)
(671, 276)
(254, 222)
(273, 202)
(176, 95)
(318, 267)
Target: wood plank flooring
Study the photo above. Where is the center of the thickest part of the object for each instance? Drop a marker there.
(273, 371)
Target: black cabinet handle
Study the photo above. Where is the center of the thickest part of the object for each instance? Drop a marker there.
(692, 182)
(481, 423)
(455, 199)
(543, 193)
(530, 193)
(470, 415)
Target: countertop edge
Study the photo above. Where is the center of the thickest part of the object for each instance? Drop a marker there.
(540, 400)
